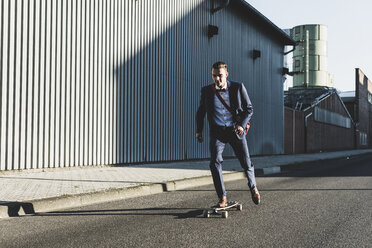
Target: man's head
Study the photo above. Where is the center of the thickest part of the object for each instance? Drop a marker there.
(219, 73)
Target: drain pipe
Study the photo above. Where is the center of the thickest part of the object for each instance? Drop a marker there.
(307, 59)
(294, 132)
(305, 138)
(223, 5)
(307, 117)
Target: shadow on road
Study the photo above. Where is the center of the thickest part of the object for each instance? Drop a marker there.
(274, 190)
(15, 207)
(176, 212)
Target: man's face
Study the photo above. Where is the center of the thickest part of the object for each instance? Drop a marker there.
(219, 76)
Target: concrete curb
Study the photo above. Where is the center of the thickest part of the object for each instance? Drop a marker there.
(15, 209)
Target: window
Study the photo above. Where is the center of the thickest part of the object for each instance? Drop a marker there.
(326, 116)
(370, 98)
(363, 139)
(297, 63)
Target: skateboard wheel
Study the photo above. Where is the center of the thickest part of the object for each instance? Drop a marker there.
(225, 214)
(239, 207)
(206, 214)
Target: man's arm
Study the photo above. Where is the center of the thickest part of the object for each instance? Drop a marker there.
(247, 107)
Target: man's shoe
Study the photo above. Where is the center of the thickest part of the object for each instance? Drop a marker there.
(255, 196)
(223, 202)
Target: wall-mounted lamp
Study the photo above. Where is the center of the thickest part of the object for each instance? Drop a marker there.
(223, 5)
(285, 71)
(212, 30)
(256, 54)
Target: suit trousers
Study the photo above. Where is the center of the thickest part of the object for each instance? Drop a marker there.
(219, 137)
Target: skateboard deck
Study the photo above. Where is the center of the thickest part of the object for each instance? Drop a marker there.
(223, 212)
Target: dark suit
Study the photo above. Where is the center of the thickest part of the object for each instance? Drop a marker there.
(242, 109)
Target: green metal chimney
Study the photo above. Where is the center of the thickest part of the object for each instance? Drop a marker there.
(310, 56)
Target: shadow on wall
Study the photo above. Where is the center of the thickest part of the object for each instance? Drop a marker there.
(164, 62)
(267, 148)
(158, 84)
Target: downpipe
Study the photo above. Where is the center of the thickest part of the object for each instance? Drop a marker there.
(305, 138)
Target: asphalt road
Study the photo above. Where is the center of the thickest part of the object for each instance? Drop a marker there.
(327, 204)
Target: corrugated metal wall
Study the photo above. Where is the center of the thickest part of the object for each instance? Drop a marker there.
(89, 82)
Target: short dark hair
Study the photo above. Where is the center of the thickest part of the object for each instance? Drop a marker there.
(219, 65)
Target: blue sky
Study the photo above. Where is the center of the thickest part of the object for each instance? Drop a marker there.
(349, 31)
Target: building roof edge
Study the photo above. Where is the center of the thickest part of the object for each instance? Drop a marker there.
(286, 38)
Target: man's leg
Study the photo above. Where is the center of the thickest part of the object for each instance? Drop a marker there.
(216, 148)
(241, 151)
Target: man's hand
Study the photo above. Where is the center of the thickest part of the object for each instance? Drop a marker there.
(239, 130)
(199, 137)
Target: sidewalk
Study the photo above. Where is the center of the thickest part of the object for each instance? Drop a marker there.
(24, 192)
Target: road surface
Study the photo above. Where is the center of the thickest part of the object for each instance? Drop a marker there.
(324, 204)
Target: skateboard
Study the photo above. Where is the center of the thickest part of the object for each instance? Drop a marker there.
(223, 212)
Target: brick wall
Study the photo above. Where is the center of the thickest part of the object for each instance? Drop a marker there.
(293, 139)
(351, 108)
(363, 115)
(327, 137)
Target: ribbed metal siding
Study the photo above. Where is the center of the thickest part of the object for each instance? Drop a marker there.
(332, 118)
(262, 77)
(110, 82)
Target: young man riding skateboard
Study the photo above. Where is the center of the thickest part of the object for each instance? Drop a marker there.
(228, 117)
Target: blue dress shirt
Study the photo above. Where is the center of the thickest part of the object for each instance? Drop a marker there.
(222, 116)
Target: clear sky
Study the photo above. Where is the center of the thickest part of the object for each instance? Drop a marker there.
(349, 31)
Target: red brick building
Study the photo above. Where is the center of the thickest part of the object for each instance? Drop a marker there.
(293, 131)
(316, 120)
(359, 105)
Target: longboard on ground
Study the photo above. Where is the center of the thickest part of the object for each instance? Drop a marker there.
(223, 212)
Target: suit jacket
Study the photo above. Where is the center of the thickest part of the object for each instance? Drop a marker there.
(240, 104)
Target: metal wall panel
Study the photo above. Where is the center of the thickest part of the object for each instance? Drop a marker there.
(115, 82)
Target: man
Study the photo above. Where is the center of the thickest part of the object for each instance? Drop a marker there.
(228, 124)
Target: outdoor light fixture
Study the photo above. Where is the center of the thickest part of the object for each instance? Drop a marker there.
(212, 30)
(285, 71)
(223, 5)
(256, 54)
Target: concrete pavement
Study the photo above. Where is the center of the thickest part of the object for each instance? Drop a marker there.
(27, 192)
